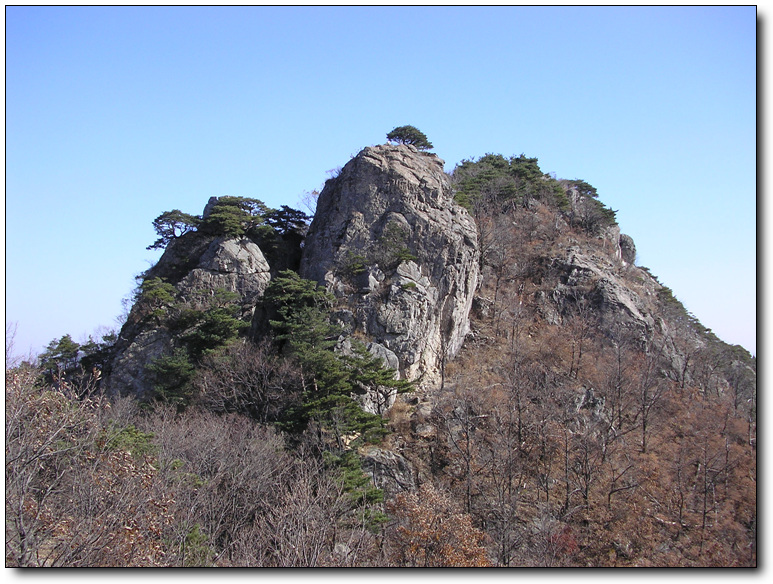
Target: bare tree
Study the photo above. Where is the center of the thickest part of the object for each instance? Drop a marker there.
(460, 418)
(309, 198)
(651, 388)
(250, 379)
(580, 325)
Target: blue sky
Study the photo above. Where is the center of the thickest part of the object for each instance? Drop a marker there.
(114, 115)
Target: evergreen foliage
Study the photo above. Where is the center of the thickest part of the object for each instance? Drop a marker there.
(197, 552)
(410, 135)
(354, 264)
(171, 225)
(494, 179)
(235, 217)
(281, 237)
(496, 182)
(155, 296)
(583, 188)
(595, 216)
(293, 299)
(200, 326)
(303, 326)
(355, 482)
(212, 329)
(287, 220)
(368, 370)
(66, 363)
(128, 438)
(171, 375)
(96, 354)
(60, 354)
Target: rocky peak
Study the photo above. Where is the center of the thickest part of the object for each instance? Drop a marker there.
(198, 266)
(627, 249)
(209, 207)
(399, 254)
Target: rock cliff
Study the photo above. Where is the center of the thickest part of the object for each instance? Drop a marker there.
(400, 256)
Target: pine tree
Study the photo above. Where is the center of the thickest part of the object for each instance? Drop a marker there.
(410, 135)
(303, 326)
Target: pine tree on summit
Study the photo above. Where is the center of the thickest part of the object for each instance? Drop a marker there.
(171, 225)
(410, 135)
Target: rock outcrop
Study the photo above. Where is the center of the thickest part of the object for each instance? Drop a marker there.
(389, 470)
(619, 298)
(613, 299)
(235, 265)
(198, 266)
(400, 256)
(135, 349)
(627, 249)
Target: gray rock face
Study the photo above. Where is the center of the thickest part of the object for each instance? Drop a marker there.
(597, 278)
(236, 265)
(627, 248)
(390, 471)
(128, 374)
(399, 254)
(198, 266)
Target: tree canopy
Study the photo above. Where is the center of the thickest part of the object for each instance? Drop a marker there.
(494, 179)
(60, 355)
(410, 135)
(233, 217)
(171, 225)
(287, 220)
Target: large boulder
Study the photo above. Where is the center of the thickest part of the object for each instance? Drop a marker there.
(235, 265)
(399, 254)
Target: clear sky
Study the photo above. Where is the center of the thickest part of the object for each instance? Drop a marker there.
(114, 115)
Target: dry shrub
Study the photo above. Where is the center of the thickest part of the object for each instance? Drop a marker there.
(250, 379)
(75, 495)
(429, 531)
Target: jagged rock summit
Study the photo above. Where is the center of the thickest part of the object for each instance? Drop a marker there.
(399, 254)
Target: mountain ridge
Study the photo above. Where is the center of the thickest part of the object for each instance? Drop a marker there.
(478, 347)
